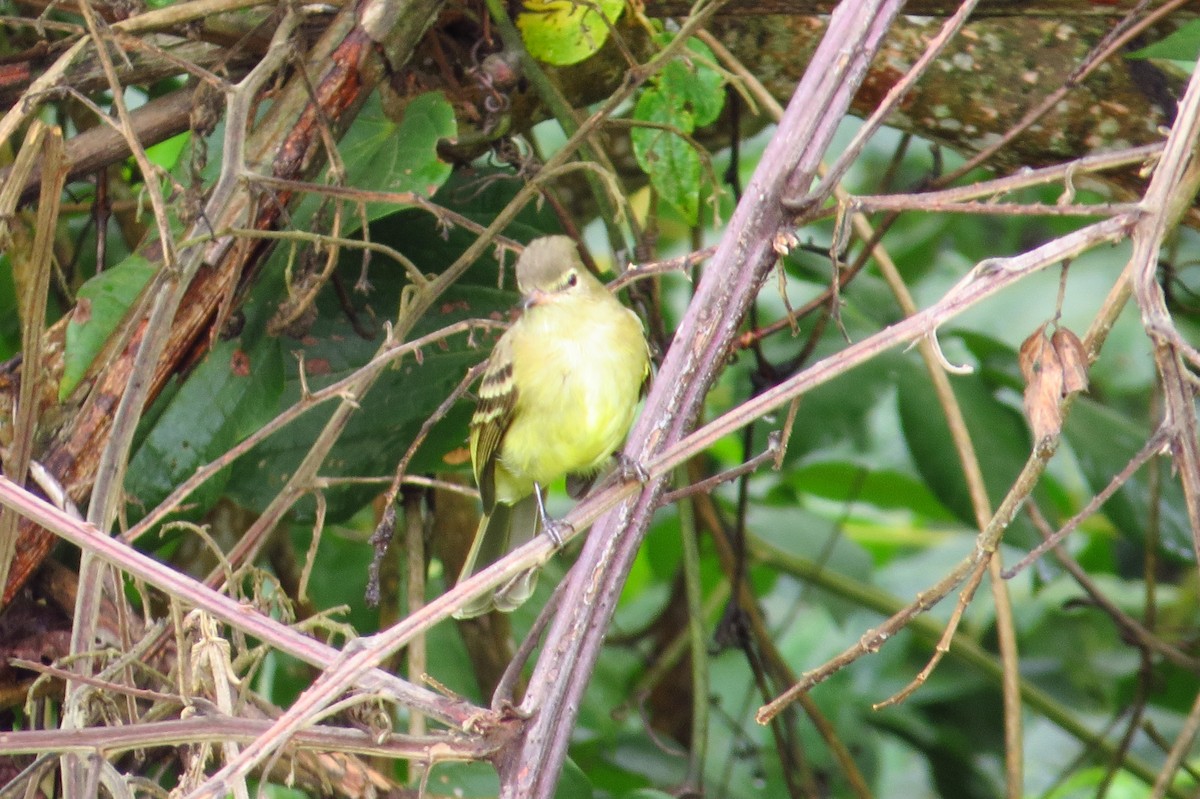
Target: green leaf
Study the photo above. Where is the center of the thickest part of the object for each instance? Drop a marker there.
(10, 321)
(687, 94)
(385, 423)
(272, 791)
(669, 160)
(1085, 783)
(1182, 45)
(167, 153)
(1103, 442)
(999, 433)
(573, 783)
(839, 412)
(386, 155)
(800, 533)
(230, 394)
(886, 489)
(564, 32)
(102, 303)
(381, 154)
(693, 83)
(464, 779)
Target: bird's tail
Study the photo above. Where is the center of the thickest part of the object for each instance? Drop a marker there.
(506, 528)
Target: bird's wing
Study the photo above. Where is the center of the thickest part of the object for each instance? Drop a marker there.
(493, 415)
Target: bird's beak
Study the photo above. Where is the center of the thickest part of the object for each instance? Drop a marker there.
(534, 298)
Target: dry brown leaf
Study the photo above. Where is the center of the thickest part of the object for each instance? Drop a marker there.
(1073, 357)
(1043, 371)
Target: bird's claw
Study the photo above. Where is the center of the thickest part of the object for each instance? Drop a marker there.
(631, 469)
(558, 531)
(552, 527)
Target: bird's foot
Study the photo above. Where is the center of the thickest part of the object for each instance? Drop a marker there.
(558, 530)
(631, 469)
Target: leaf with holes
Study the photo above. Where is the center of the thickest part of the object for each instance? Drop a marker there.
(564, 32)
(687, 94)
(99, 309)
(671, 162)
(231, 393)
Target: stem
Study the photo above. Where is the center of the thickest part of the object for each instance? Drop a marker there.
(744, 257)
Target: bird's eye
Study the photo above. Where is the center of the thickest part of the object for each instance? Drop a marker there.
(572, 279)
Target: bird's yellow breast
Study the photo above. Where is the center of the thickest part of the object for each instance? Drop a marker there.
(579, 366)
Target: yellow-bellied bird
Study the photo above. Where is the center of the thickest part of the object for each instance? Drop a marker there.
(557, 398)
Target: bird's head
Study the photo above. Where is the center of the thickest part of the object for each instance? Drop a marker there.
(550, 270)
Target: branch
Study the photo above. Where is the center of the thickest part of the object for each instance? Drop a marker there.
(744, 257)
(232, 612)
(1171, 191)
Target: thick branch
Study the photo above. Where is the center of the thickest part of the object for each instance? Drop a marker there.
(743, 259)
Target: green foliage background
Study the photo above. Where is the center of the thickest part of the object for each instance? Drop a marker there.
(867, 509)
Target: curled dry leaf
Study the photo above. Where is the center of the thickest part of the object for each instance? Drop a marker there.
(1053, 368)
(1073, 356)
(1043, 373)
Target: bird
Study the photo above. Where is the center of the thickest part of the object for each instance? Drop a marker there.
(557, 397)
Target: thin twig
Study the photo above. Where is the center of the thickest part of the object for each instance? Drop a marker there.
(833, 177)
(1172, 189)
(215, 729)
(706, 485)
(1183, 742)
(1024, 179)
(1152, 447)
(236, 614)
(347, 386)
(32, 265)
(1142, 634)
(926, 202)
(963, 648)
(972, 564)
